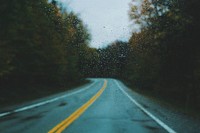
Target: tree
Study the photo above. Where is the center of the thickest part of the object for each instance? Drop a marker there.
(165, 51)
(40, 44)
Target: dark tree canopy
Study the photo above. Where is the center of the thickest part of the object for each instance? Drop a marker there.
(39, 44)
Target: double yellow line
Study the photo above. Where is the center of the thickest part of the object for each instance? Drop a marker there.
(65, 123)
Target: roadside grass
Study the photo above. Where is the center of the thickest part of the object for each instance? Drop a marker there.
(168, 101)
(21, 95)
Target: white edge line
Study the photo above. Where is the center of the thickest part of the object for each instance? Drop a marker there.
(162, 124)
(43, 103)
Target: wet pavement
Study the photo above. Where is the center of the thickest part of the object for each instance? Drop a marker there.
(112, 112)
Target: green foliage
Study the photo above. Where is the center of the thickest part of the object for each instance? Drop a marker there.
(105, 62)
(165, 55)
(39, 44)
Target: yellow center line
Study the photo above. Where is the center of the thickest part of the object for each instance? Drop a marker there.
(75, 115)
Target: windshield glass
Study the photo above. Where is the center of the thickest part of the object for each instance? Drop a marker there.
(99, 66)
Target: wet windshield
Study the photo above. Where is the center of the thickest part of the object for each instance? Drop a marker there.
(99, 66)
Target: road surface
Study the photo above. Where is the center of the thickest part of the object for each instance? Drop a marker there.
(103, 106)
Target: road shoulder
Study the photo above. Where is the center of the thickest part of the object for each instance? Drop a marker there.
(171, 116)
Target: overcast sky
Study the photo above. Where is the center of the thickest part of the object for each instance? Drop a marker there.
(107, 20)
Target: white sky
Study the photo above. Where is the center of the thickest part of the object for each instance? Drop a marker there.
(107, 20)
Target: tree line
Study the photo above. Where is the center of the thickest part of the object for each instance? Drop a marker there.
(40, 44)
(166, 55)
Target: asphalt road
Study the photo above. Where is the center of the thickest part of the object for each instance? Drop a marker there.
(102, 106)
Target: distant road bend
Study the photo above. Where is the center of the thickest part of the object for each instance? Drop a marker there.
(104, 106)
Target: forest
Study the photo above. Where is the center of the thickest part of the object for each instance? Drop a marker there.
(44, 46)
(40, 46)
